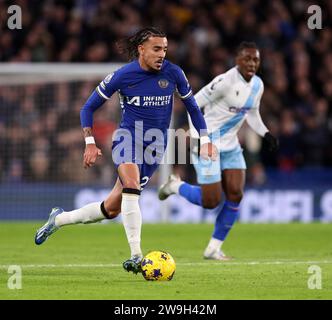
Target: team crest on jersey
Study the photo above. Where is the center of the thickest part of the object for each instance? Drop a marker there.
(163, 83)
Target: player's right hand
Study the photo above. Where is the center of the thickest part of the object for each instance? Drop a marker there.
(209, 151)
(91, 153)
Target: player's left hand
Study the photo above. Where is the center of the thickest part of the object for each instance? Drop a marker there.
(272, 142)
(90, 156)
(209, 151)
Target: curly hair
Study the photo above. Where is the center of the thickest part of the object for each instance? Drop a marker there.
(246, 45)
(129, 46)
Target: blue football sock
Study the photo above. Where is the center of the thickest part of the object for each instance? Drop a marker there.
(191, 193)
(225, 220)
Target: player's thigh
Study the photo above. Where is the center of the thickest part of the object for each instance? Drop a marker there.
(129, 175)
(211, 194)
(233, 181)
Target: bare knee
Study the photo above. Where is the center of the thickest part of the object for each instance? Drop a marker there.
(235, 196)
(131, 184)
(211, 201)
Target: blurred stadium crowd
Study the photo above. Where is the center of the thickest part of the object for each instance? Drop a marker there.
(43, 142)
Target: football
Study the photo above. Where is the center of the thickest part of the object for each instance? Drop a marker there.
(158, 266)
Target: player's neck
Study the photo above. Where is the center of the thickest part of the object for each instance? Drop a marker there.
(246, 79)
(144, 66)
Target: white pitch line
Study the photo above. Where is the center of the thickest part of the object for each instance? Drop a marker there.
(207, 263)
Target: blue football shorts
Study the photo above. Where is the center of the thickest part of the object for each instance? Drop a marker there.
(147, 155)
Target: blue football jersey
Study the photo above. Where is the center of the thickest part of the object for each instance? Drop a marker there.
(146, 96)
(146, 99)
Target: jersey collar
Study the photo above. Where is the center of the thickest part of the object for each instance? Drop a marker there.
(241, 77)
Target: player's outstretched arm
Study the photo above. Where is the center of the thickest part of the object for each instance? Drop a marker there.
(208, 150)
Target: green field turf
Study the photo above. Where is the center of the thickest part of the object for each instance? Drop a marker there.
(84, 262)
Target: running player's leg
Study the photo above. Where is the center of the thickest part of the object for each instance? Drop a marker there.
(131, 214)
(207, 194)
(92, 212)
(233, 181)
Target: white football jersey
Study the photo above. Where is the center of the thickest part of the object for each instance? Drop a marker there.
(228, 100)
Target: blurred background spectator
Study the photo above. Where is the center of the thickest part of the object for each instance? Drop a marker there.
(42, 142)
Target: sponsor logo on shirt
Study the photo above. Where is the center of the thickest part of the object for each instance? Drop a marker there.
(242, 110)
(149, 101)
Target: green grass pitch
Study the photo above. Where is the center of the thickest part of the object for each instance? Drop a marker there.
(271, 261)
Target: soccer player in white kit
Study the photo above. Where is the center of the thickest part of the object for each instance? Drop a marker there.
(228, 100)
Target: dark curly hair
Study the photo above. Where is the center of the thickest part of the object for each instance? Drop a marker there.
(129, 45)
(246, 45)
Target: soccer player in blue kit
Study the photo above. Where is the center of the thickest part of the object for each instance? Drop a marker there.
(145, 86)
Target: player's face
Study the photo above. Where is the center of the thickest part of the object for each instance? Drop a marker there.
(248, 61)
(152, 53)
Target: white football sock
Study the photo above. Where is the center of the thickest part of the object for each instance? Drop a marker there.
(87, 214)
(214, 244)
(132, 221)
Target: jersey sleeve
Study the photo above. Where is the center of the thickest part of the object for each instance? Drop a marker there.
(182, 84)
(109, 85)
(259, 95)
(104, 91)
(215, 90)
(254, 118)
